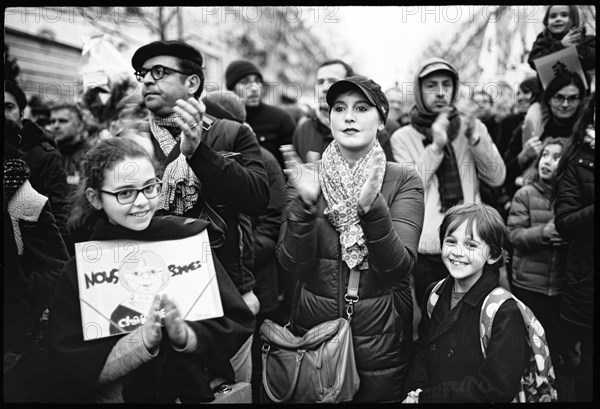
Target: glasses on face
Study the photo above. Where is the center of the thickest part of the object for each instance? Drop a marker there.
(559, 99)
(127, 196)
(157, 72)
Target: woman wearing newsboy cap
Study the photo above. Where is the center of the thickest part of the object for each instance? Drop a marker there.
(361, 214)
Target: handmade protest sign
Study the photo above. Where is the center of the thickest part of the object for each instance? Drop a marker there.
(551, 65)
(118, 280)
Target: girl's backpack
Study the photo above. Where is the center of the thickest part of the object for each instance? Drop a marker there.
(537, 382)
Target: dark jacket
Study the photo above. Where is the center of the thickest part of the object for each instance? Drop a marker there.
(574, 209)
(48, 175)
(547, 43)
(230, 188)
(309, 246)
(506, 127)
(312, 135)
(34, 255)
(171, 374)
(72, 157)
(273, 127)
(513, 168)
(449, 366)
(265, 231)
(537, 265)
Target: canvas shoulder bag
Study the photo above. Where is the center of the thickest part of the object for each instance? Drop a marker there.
(318, 367)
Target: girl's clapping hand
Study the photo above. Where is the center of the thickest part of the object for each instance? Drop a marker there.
(151, 333)
(174, 323)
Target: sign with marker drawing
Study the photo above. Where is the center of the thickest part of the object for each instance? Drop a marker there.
(118, 280)
(551, 65)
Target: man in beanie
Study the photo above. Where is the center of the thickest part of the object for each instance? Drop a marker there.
(45, 162)
(272, 125)
(313, 136)
(451, 152)
(202, 179)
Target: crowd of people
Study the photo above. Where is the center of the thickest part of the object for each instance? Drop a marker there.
(424, 198)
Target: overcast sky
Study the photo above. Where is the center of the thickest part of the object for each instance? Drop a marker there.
(398, 35)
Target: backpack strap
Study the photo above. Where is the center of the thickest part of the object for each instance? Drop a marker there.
(433, 297)
(492, 302)
(541, 371)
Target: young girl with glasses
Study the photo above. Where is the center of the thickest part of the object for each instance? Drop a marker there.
(118, 197)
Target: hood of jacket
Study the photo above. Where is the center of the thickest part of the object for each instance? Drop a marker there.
(427, 67)
(32, 135)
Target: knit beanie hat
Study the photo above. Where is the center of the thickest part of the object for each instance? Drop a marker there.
(237, 70)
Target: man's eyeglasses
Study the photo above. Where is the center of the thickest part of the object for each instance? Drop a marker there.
(128, 196)
(157, 72)
(559, 99)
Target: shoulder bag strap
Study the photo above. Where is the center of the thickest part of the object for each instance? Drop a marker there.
(351, 296)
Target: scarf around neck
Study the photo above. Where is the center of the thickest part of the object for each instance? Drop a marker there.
(341, 186)
(182, 189)
(181, 186)
(16, 172)
(450, 187)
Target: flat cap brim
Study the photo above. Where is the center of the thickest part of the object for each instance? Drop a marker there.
(177, 49)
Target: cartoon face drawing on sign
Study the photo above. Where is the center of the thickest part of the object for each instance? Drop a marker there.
(144, 276)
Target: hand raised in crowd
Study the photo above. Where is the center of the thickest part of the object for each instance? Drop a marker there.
(531, 149)
(303, 177)
(573, 37)
(190, 122)
(439, 129)
(151, 333)
(174, 323)
(369, 189)
(549, 231)
(470, 114)
(312, 156)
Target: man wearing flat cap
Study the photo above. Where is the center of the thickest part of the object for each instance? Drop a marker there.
(213, 167)
(272, 125)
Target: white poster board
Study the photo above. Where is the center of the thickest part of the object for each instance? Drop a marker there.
(567, 58)
(118, 280)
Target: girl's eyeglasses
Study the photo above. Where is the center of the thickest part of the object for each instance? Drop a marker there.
(127, 196)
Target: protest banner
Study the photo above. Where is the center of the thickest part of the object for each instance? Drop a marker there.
(118, 280)
(551, 65)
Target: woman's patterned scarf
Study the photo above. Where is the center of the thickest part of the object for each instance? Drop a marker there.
(342, 186)
(181, 187)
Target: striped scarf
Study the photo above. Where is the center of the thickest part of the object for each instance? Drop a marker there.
(342, 186)
(181, 186)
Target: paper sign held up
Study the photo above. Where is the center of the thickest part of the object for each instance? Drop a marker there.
(549, 66)
(118, 280)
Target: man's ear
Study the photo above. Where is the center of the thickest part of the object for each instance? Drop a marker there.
(193, 84)
(93, 196)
